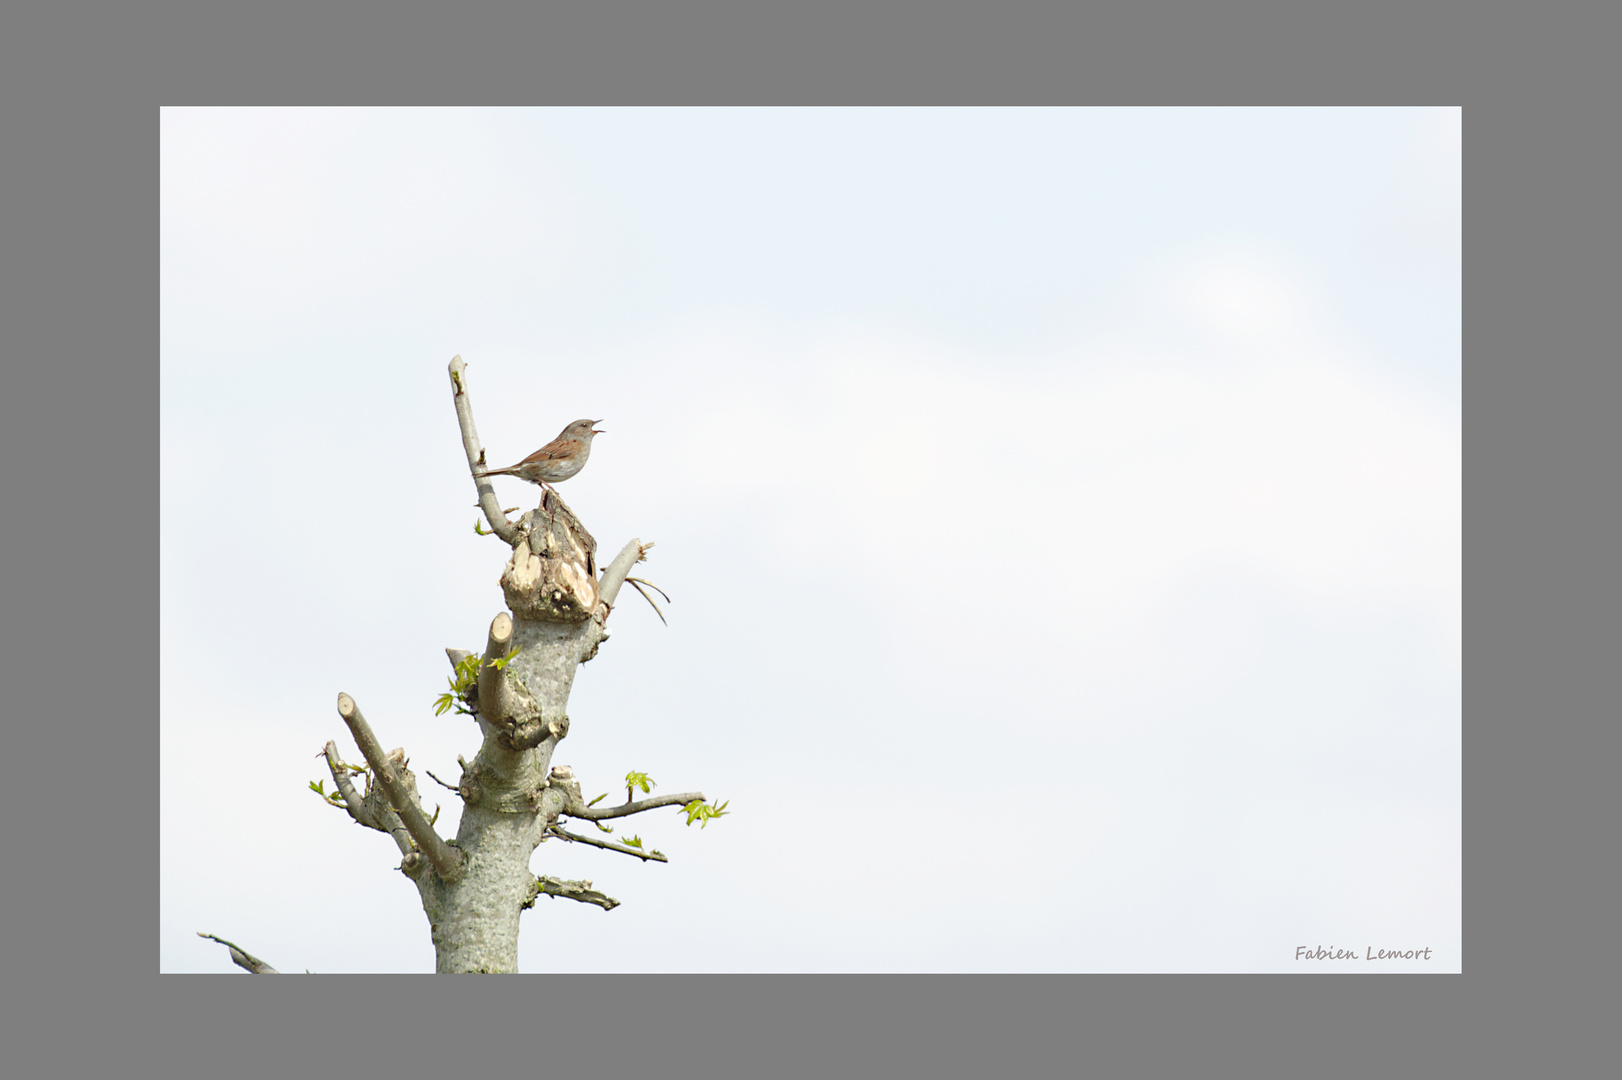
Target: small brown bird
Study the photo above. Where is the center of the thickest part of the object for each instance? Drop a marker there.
(557, 460)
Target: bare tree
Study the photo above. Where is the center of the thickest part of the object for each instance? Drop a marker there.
(475, 887)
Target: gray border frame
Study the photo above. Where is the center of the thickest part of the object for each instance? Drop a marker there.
(80, 291)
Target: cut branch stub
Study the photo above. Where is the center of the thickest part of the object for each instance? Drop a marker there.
(503, 700)
(614, 575)
(495, 695)
(552, 575)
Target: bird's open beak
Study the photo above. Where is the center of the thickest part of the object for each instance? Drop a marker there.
(594, 430)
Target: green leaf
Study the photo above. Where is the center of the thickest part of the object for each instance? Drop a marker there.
(639, 780)
(702, 812)
(604, 828)
(466, 673)
(634, 841)
(319, 787)
(598, 799)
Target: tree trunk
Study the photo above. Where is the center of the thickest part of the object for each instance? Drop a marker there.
(511, 798)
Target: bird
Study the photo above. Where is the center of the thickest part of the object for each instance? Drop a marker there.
(557, 460)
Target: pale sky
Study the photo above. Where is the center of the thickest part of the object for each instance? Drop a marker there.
(1061, 511)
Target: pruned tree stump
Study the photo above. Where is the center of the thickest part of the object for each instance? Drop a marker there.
(552, 575)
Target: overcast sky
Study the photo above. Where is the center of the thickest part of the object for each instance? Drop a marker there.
(1061, 511)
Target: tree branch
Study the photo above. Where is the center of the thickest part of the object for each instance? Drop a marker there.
(245, 959)
(475, 454)
(614, 573)
(587, 813)
(573, 890)
(441, 783)
(346, 788)
(385, 821)
(446, 860)
(609, 845)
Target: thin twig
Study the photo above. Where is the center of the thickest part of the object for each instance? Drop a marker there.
(609, 845)
(652, 586)
(637, 583)
(441, 783)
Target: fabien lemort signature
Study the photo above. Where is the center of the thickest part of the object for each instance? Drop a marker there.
(1308, 952)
